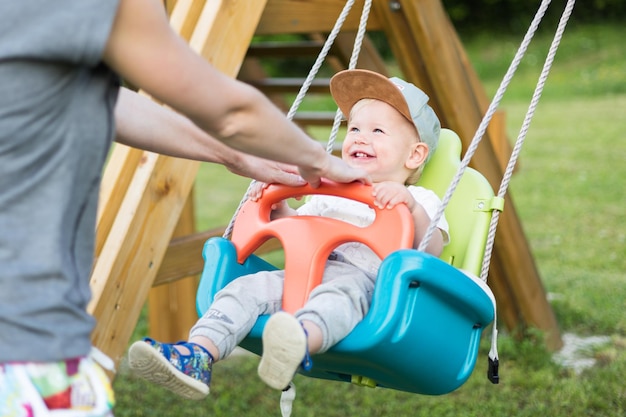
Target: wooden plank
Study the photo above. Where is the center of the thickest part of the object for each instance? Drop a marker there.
(252, 70)
(306, 16)
(369, 58)
(172, 308)
(406, 50)
(184, 255)
(276, 49)
(496, 131)
(134, 249)
(435, 62)
(132, 253)
(118, 174)
(169, 5)
(317, 118)
(220, 37)
(124, 159)
(289, 85)
(499, 140)
(185, 15)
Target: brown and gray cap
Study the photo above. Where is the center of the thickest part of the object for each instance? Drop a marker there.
(349, 86)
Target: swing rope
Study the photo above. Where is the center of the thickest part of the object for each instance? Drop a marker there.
(524, 129)
(493, 352)
(522, 134)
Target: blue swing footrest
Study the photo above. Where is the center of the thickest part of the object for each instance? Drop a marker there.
(421, 334)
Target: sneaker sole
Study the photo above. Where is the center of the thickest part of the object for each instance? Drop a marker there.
(147, 363)
(284, 347)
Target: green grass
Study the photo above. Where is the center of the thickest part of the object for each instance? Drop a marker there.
(570, 195)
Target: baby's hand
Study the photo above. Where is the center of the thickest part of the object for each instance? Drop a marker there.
(388, 194)
(256, 190)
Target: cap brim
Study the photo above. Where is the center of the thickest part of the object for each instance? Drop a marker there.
(349, 86)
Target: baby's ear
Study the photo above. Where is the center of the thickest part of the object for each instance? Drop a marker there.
(419, 153)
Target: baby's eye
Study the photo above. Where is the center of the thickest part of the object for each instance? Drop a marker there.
(354, 129)
(378, 130)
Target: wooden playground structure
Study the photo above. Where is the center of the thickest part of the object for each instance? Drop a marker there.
(147, 244)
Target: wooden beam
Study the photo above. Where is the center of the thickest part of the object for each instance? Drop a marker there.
(124, 160)
(184, 16)
(285, 49)
(172, 308)
(317, 118)
(117, 176)
(306, 16)
(369, 58)
(184, 255)
(134, 249)
(169, 5)
(289, 85)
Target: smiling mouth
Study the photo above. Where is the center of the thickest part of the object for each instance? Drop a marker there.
(361, 155)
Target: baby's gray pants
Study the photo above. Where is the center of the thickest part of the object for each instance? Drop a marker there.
(336, 305)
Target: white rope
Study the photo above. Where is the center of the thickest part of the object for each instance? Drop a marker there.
(493, 352)
(356, 50)
(287, 397)
(485, 121)
(523, 131)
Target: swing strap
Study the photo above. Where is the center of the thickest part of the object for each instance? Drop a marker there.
(524, 130)
(487, 119)
(287, 398)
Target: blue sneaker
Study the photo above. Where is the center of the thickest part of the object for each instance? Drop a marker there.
(186, 375)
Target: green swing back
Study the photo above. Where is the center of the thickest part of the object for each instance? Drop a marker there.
(469, 210)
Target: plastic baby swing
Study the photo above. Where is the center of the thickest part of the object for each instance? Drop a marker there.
(427, 314)
(423, 328)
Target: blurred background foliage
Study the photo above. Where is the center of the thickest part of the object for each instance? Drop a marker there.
(513, 16)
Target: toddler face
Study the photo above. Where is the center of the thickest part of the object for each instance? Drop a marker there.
(380, 141)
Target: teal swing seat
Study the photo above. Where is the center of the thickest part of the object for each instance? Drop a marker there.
(423, 329)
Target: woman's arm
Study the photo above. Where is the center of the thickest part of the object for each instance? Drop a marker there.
(145, 51)
(144, 124)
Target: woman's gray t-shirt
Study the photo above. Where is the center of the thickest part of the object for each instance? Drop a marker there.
(56, 125)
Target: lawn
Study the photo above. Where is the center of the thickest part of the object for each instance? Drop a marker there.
(570, 194)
